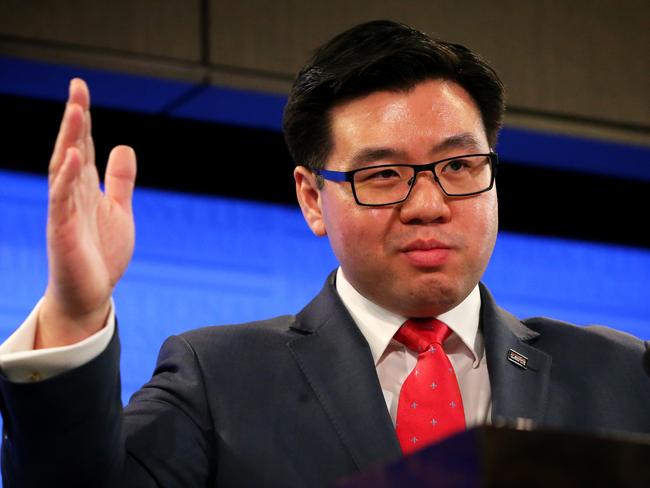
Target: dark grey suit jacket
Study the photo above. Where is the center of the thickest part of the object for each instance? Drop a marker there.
(293, 401)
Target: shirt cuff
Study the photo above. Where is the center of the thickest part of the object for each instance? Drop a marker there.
(20, 363)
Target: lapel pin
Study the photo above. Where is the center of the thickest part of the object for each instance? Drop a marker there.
(518, 359)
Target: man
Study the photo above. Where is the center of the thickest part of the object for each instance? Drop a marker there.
(393, 136)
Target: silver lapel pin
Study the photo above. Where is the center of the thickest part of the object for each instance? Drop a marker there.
(517, 358)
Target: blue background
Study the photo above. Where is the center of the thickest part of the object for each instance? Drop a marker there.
(208, 260)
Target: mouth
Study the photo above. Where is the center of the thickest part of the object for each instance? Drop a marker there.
(426, 253)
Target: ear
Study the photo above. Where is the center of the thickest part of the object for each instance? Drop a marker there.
(309, 199)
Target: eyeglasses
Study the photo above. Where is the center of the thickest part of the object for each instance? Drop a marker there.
(388, 184)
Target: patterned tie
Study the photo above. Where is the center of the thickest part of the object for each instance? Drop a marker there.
(430, 406)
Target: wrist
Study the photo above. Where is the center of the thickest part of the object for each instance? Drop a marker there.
(57, 326)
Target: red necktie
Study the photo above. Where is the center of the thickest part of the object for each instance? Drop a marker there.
(430, 406)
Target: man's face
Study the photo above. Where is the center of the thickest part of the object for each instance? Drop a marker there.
(423, 256)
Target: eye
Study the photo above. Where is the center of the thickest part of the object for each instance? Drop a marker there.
(455, 166)
(386, 173)
(378, 174)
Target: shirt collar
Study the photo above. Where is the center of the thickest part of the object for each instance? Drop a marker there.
(379, 325)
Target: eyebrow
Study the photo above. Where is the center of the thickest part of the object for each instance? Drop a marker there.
(372, 154)
(464, 140)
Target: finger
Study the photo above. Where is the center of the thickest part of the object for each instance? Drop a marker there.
(89, 175)
(88, 138)
(120, 175)
(73, 125)
(69, 136)
(61, 187)
(79, 93)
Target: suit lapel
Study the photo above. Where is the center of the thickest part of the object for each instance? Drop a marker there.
(336, 361)
(518, 391)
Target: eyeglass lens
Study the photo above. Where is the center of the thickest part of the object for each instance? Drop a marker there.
(389, 184)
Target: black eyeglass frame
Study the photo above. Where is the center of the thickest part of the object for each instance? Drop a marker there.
(348, 176)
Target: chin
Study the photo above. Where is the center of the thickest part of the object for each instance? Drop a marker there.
(431, 300)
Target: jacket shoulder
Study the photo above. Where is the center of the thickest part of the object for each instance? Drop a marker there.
(275, 325)
(591, 334)
(257, 336)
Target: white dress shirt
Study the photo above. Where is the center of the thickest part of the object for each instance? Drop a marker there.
(394, 362)
(21, 363)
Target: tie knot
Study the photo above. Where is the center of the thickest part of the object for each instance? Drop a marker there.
(419, 335)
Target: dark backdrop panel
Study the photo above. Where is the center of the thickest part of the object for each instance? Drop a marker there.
(557, 198)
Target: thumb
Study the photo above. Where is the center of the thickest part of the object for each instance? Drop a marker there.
(120, 175)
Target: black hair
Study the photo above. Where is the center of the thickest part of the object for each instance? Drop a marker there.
(373, 56)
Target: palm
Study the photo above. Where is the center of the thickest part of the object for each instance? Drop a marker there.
(90, 234)
(90, 242)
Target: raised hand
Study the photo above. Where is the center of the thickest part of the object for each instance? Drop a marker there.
(90, 234)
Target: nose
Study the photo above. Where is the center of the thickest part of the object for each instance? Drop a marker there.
(426, 203)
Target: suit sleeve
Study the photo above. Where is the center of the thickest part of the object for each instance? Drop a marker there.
(71, 430)
(19, 361)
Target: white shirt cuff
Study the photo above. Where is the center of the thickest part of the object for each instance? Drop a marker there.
(20, 363)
